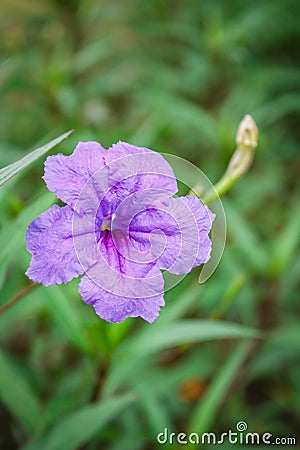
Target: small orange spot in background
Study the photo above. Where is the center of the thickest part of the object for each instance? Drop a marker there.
(192, 389)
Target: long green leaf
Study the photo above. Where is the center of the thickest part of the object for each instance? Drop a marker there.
(159, 338)
(249, 243)
(6, 173)
(79, 427)
(188, 331)
(17, 394)
(205, 413)
(285, 246)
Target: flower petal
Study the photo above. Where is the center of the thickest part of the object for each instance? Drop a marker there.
(150, 167)
(134, 168)
(204, 219)
(184, 223)
(119, 287)
(66, 175)
(50, 241)
(115, 308)
(118, 272)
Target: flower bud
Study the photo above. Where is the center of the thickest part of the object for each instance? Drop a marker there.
(246, 140)
(247, 133)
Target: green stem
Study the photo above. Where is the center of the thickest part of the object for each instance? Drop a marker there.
(220, 188)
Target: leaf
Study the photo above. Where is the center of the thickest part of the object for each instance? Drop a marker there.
(79, 427)
(230, 294)
(6, 173)
(17, 395)
(92, 54)
(68, 316)
(248, 243)
(158, 338)
(185, 332)
(166, 106)
(286, 244)
(154, 411)
(275, 110)
(282, 347)
(2, 275)
(180, 304)
(207, 409)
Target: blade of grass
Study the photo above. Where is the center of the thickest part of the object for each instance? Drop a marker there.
(185, 332)
(6, 173)
(17, 395)
(82, 425)
(158, 338)
(248, 243)
(233, 289)
(285, 246)
(204, 415)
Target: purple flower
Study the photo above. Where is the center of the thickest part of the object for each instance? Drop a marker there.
(120, 227)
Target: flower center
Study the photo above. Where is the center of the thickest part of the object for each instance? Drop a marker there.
(106, 224)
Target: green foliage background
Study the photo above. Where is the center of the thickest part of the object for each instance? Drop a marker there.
(176, 76)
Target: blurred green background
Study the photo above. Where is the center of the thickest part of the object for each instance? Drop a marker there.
(175, 76)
